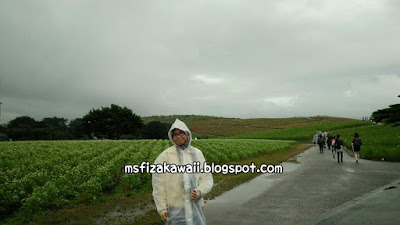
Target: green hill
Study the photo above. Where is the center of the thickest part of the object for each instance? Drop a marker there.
(223, 127)
(300, 133)
(185, 118)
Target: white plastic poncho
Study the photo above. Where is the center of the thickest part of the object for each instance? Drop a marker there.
(171, 192)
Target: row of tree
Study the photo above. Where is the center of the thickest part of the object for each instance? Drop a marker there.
(389, 115)
(113, 122)
(116, 122)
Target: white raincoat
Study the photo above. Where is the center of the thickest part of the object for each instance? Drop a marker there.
(171, 192)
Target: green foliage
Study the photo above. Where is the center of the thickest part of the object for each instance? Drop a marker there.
(389, 115)
(299, 133)
(3, 128)
(51, 129)
(38, 176)
(379, 141)
(3, 135)
(27, 128)
(155, 130)
(76, 129)
(107, 122)
(111, 122)
(21, 128)
(22, 122)
(58, 123)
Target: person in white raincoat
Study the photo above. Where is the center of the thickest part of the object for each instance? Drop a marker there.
(179, 196)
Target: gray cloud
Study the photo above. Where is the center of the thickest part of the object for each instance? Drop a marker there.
(237, 59)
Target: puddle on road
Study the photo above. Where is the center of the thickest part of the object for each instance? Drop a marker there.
(292, 161)
(290, 166)
(236, 197)
(350, 170)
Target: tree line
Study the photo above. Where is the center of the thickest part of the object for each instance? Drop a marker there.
(389, 115)
(112, 122)
(115, 123)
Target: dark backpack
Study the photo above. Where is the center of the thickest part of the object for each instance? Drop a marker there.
(339, 142)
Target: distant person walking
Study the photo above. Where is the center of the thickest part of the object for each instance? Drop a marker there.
(321, 143)
(339, 149)
(333, 144)
(328, 142)
(357, 146)
(315, 138)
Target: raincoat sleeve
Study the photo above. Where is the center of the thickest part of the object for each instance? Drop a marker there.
(205, 181)
(159, 187)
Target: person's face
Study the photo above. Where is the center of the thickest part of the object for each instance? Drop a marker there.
(179, 137)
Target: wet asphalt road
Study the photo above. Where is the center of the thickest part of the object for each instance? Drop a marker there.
(315, 189)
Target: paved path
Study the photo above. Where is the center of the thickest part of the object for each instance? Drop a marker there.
(317, 190)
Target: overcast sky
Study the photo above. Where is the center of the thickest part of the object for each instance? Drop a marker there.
(245, 59)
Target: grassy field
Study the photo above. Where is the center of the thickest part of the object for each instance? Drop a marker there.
(125, 205)
(43, 175)
(379, 141)
(230, 127)
(206, 126)
(185, 118)
(78, 182)
(299, 133)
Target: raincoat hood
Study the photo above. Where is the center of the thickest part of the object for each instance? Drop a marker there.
(178, 124)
